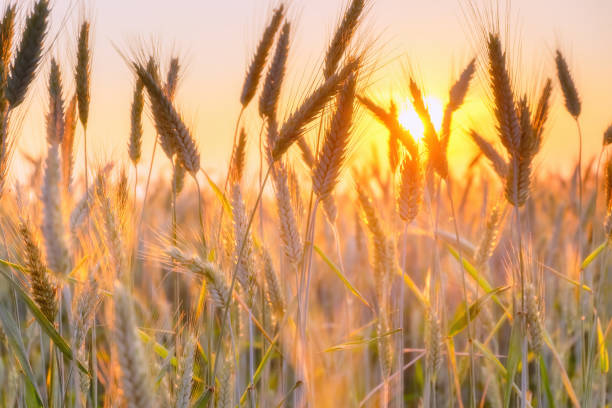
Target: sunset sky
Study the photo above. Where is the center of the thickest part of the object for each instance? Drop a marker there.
(433, 39)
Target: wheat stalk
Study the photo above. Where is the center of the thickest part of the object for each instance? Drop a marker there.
(245, 263)
(135, 382)
(185, 377)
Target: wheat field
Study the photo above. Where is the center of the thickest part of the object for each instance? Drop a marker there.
(302, 277)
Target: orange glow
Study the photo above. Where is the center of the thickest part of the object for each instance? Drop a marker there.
(410, 121)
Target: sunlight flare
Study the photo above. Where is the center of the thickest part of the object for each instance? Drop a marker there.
(410, 120)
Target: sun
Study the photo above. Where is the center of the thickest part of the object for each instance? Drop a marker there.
(410, 120)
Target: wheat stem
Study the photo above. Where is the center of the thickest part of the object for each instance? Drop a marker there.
(469, 327)
(225, 312)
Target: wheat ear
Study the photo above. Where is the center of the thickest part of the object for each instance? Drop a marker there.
(508, 125)
(70, 121)
(410, 194)
(187, 149)
(82, 73)
(572, 100)
(172, 78)
(44, 291)
(268, 100)
(490, 238)
(274, 293)
(55, 117)
(290, 236)
(29, 54)
(607, 136)
(326, 171)
(295, 125)
(540, 115)
(389, 119)
(497, 161)
(342, 37)
(259, 59)
(7, 34)
(455, 100)
(435, 147)
(135, 142)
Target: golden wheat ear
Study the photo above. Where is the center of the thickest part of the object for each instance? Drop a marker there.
(135, 141)
(572, 100)
(254, 71)
(44, 291)
(29, 54)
